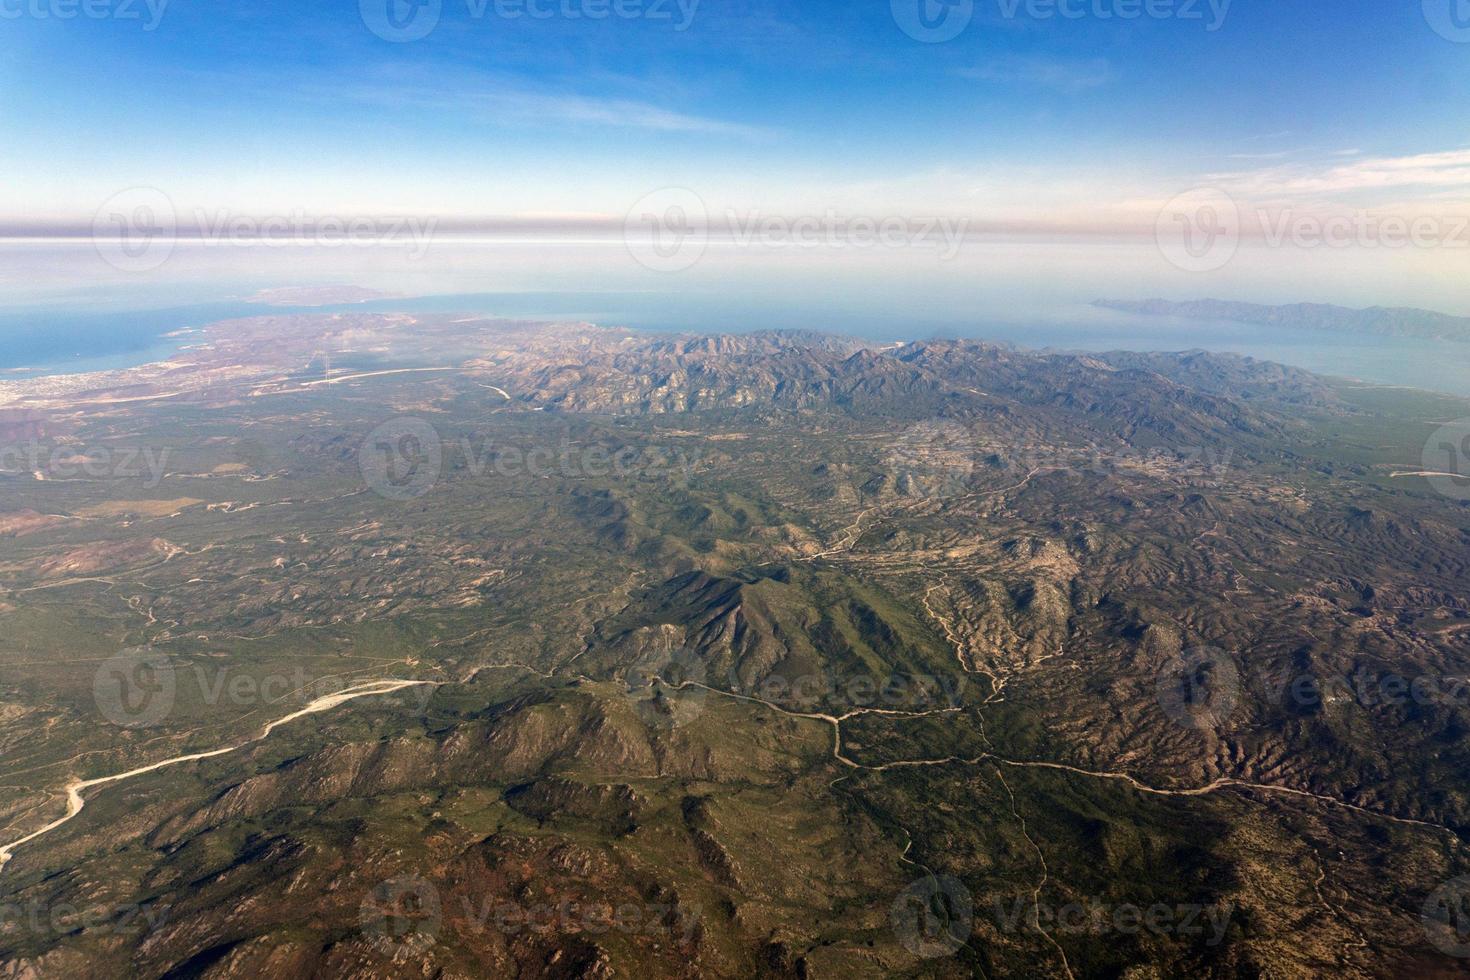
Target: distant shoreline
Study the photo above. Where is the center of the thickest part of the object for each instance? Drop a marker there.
(1374, 321)
(1438, 367)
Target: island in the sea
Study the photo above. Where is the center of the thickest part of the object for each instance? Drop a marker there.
(1380, 320)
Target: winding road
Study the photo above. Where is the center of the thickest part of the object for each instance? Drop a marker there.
(75, 801)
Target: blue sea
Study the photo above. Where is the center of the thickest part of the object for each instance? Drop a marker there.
(60, 315)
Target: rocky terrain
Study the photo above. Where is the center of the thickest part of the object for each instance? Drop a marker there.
(760, 655)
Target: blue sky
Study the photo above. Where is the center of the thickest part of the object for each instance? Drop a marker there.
(793, 107)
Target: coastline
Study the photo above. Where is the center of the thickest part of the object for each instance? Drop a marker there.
(1435, 368)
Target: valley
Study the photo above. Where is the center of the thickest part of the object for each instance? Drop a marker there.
(710, 656)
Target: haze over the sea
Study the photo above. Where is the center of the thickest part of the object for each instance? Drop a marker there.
(1032, 293)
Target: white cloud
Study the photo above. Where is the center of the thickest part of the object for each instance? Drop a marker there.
(1431, 172)
(1069, 77)
(508, 100)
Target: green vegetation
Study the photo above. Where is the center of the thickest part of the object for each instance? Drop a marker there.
(773, 631)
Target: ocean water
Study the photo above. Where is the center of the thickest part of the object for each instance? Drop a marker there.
(62, 310)
(53, 340)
